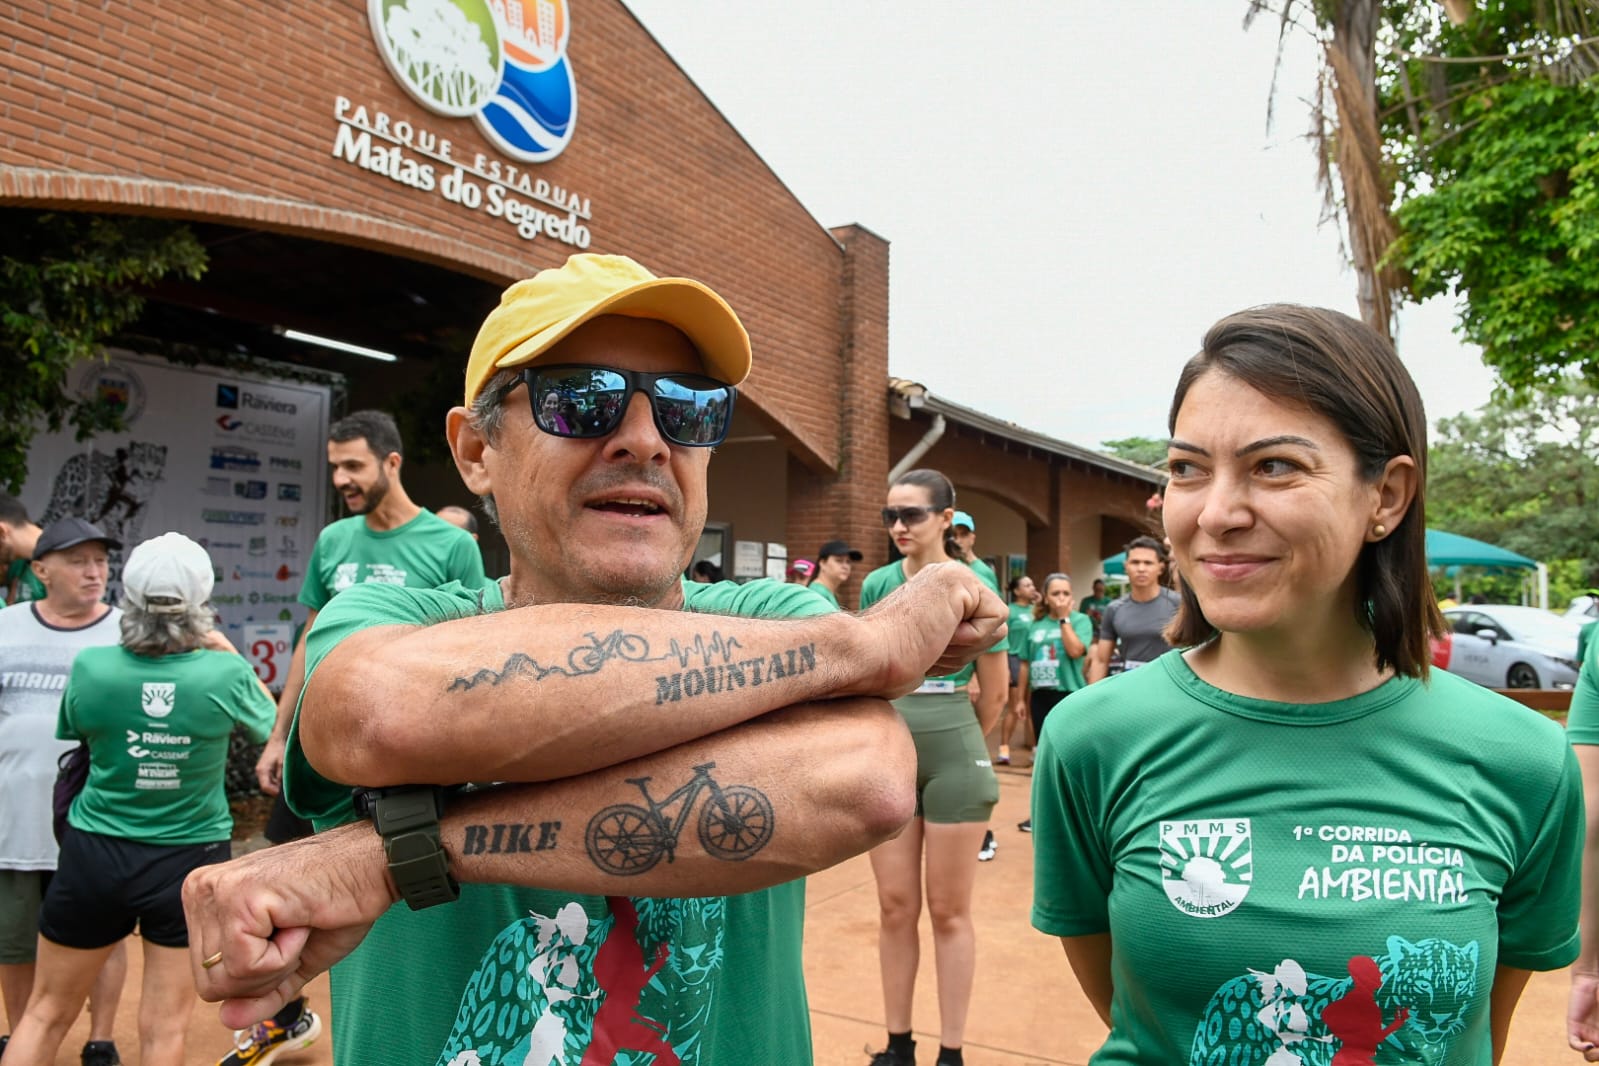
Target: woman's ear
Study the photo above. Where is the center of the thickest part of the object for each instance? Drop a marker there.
(1395, 489)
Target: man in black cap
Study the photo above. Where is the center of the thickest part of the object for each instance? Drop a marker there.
(38, 641)
(834, 562)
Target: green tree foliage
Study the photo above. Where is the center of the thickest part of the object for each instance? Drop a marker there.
(1492, 129)
(1523, 473)
(1464, 137)
(69, 283)
(1146, 450)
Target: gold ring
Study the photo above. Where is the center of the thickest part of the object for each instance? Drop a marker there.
(211, 961)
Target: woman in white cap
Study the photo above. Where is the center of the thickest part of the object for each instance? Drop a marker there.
(156, 712)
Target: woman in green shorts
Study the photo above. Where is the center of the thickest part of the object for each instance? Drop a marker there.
(956, 790)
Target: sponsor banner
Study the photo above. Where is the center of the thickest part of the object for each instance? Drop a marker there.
(231, 460)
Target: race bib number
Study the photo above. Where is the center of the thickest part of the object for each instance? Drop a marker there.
(1044, 673)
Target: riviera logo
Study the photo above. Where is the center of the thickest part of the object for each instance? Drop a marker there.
(501, 62)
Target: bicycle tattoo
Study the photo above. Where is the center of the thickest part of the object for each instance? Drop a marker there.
(626, 839)
(588, 658)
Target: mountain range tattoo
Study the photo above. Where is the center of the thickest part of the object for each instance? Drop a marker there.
(590, 658)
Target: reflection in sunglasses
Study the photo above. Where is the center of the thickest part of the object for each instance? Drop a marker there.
(587, 402)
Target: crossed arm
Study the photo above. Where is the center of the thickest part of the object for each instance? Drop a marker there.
(572, 702)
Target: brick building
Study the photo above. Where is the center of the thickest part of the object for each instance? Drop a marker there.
(337, 198)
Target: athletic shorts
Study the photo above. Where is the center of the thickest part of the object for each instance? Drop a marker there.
(1043, 701)
(104, 886)
(21, 892)
(955, 781)
(1015, 662)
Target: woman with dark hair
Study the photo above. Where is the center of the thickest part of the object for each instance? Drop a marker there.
(1289, 841)
(156, 712)
(956, 789)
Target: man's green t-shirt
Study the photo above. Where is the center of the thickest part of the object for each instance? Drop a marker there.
(425, 552)
(508, 975)
(1048, 665)
(1304, 875)
(886, 579)
(1021, 619)
(20, 575)
(1582, 723)
(158, 734)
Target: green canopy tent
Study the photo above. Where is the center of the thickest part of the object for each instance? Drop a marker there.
(1450, 550)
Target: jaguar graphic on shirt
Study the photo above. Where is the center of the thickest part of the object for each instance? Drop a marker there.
(633, 988)
(1406, 1005)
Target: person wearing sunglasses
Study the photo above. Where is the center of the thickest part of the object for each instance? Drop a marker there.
(669, 756)
(936, 856)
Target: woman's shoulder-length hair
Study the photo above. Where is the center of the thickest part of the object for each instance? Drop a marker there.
(1343, 370)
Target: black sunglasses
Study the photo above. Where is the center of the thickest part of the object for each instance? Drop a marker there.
(589, 401)
(911, 516)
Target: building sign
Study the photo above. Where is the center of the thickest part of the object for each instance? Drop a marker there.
(501, 63)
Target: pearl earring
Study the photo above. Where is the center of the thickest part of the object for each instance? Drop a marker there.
(1379, 530)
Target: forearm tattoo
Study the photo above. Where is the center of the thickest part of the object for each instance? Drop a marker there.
(716, 668)
(734, 822)
(504, 838)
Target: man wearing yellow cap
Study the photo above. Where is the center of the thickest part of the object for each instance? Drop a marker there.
(670, 757)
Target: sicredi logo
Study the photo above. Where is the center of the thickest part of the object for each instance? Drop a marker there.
(502, 63)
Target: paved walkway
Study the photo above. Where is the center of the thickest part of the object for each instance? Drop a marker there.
(1026, 1008)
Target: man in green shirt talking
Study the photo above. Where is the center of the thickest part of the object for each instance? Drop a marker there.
(670, 759)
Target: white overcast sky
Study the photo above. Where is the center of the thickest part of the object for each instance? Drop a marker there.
(1073, 191)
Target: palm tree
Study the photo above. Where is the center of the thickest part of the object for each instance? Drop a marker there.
(1349, 134)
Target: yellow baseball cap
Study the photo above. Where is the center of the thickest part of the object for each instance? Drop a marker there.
(537, 312)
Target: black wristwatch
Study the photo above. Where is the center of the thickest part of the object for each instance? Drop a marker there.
(407, 818)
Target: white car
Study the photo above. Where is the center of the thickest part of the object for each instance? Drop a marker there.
(1584, 608)
(1508, 646)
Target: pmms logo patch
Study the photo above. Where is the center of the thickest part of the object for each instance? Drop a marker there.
(1206, 864)
(501, 62)
(158, 698)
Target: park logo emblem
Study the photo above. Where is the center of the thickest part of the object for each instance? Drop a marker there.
(502, 63)
(158, 698)
(1206, 864)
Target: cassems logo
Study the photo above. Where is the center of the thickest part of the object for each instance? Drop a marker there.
(262, 431)
(501, 62)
